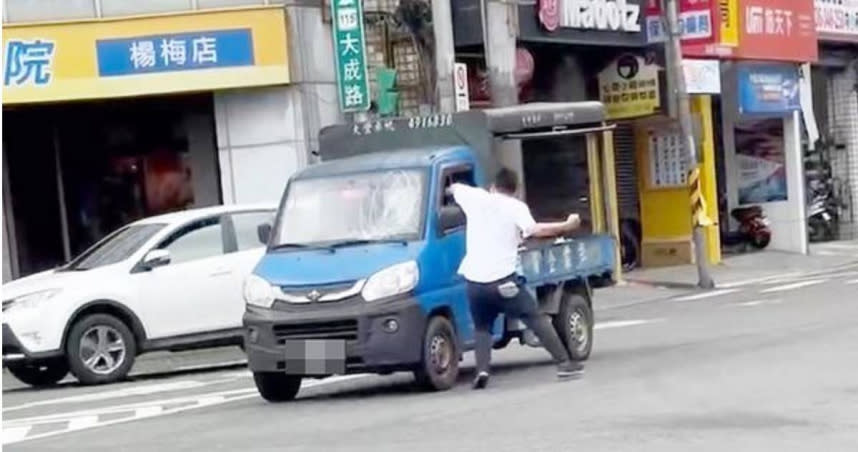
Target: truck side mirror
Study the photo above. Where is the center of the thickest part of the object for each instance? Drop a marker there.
(451, 217)
(263, 232)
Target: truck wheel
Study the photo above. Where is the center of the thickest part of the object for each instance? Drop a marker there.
(41, 373)
(439, 366)
(100, 349)
(277, 387)
(574, 324)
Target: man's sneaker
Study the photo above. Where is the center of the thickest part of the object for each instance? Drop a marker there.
(569, 369)
(481, 380)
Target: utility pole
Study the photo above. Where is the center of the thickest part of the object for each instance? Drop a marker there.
(674, 66)
(445, 55)
(499, 40)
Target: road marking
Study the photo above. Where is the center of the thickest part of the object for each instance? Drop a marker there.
(623, 323)
(241, 362)
(852, 282)
(759, 302)
(794, 286)
(704, 295)
(16, 430)
(181, 385)
(765, 279)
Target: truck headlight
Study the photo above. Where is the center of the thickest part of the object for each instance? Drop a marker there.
(32, 300)
(391, 281)
(258, 292)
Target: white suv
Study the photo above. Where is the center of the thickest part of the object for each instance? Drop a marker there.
(171, 282)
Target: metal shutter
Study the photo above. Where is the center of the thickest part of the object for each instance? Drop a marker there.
(626, 168)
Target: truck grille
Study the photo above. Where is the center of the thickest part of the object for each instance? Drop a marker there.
(339, 329)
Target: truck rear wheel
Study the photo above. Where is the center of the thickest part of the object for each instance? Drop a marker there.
(574, 324)
(277, 387)
(439, 366)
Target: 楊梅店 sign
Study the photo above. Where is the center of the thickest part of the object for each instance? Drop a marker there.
(768, 89)
(777, 30)
(837, 20)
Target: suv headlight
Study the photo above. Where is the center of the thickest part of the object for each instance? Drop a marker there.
(32, 300)
(258, 292)
(391, 281)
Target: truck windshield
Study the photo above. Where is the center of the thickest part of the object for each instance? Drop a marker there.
(365, 207)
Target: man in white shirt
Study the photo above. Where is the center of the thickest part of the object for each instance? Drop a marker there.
(497, 223)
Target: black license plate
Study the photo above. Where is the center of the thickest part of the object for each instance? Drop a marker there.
(315, 357)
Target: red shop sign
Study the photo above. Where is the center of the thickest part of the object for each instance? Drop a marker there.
(777, 30)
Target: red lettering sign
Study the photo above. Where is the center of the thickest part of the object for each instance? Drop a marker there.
(777, 30)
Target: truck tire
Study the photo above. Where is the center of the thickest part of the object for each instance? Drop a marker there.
(574, 324)
(100, 349)
(439, 365)
(41, 373)
(277, 387)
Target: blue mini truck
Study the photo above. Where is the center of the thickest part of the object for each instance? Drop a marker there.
(360, 273)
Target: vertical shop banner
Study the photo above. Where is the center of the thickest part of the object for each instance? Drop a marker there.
(762, 161)
(768, 89)
(350, 55)
(837, 20)
(778, 30)
(706, 25)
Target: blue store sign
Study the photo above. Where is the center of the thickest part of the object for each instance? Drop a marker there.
(771, 89)
(175, 52)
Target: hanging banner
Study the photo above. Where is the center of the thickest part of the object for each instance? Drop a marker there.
(629, 88)
(708, 27)
(777, 30)
(761, 158)
(769, 89)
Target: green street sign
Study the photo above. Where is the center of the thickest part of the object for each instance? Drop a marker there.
(350, 51)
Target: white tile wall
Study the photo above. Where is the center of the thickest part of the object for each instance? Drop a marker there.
(843, 114)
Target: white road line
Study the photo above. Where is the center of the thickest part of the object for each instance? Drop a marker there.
(15, 434)
(852, 282)
(759, 302)
(181, 385)
(623, 323)
(80, 423)
(794, 286)
(240, 362)
(704, 295)
(748, 282)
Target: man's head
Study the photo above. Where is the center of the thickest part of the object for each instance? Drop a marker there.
(506, 182)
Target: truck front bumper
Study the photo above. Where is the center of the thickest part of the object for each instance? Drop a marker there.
(384, 336)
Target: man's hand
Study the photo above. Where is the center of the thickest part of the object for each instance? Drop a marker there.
(573, 221)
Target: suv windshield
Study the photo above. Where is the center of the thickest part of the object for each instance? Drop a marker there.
(356, 208)
(115, 247)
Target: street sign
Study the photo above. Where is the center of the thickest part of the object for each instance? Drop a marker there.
(350, 55)
(460, 85)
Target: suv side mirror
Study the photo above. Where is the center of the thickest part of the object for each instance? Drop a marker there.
(451, 217)
(156, 258)
(263, 232)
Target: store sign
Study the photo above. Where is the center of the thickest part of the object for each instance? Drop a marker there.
(629, 88)
(707, 27)
(460, 86)
(783, 30)
(837, 20)
(768, 89)
(702, 76)
(174, 52)
(197, 51)
(601, 15)
(350, 55)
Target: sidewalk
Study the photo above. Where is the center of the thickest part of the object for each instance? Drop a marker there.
(644, 285)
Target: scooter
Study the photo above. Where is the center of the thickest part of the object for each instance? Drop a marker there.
(753, 228)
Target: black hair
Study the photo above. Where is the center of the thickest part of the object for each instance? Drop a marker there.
(506, 181)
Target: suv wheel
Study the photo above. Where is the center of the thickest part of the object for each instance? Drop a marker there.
(277, 387)
(40, 373)
(100, 349)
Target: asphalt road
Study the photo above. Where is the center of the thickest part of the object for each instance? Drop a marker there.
(769, 366)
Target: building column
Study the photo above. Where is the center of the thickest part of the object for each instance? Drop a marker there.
(843, 114)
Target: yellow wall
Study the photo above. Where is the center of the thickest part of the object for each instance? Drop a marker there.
(665, 211)
(74, 66)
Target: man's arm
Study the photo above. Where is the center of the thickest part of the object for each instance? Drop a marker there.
(558, 228)
(465, 195)
(530, 228)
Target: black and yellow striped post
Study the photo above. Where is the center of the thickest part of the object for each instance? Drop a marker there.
(698, 204)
